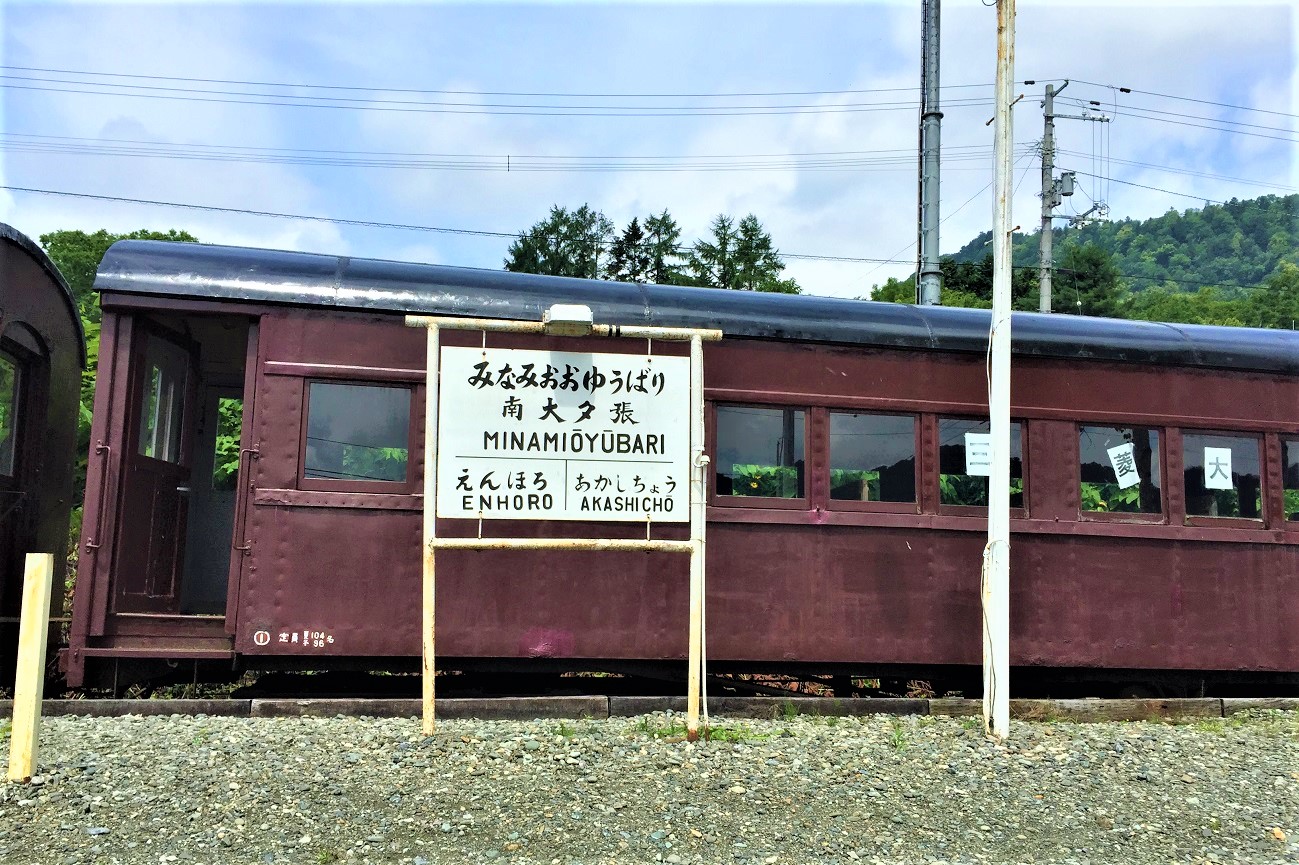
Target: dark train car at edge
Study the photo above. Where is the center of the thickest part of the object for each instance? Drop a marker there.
(42, 354)
(844, 534)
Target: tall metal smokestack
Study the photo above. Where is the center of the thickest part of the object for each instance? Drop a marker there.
(929, 280)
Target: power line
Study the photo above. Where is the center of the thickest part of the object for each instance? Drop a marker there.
(246, 212)
(355, 88)
(1184, 171)
(502, 163)
(361, 222)
(1127, 109)
(1185, 99)
(1152, 188)
(505, 109)
(1154, 116)
(910, 152)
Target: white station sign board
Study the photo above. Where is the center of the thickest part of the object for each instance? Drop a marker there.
(556, 435)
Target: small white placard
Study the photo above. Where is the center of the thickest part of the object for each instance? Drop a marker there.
(1125, 465)
(978, 454)
(1217, 469)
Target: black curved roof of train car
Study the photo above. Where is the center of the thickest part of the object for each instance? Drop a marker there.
(200, 271)
(28, 246)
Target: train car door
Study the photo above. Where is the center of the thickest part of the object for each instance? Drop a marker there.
(150, 557)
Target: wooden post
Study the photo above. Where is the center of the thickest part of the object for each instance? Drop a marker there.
(430, 523)
(29, 682)
(697, 505)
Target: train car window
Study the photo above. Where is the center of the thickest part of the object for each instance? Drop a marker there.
(9, 385)
(1222, 475)
(955, 487)
(1291, 478)
(357, 432)
(162, 409)
(760, 452)
(1118, 470)
(872, 457)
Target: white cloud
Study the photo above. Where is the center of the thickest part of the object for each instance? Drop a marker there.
(1215, 52)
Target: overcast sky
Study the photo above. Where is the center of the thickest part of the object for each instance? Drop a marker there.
(828, 165)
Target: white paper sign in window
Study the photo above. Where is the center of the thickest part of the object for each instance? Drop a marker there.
(554, 435)
(1125, 465)
(1217, 469)
(978, 454)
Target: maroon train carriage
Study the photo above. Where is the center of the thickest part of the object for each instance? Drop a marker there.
(42, 353)
(845, 533)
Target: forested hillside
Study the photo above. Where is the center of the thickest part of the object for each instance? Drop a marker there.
(1237, 243)
(1235, 263)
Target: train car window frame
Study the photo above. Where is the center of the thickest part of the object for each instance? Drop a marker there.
(1020, 511)
(866, 505)
(719, 499)
(13, 408)
(1205, 520)
(1160, 470)
(412, 481)
(163, 409)
(1289, 481)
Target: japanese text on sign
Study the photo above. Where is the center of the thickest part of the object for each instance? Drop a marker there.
(563, 436)
(978, 453)
(1217, 469)
(1125, 465)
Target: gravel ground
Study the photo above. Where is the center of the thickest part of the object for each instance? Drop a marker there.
(797, 790)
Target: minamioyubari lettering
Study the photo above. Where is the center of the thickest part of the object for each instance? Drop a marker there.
(607, 442)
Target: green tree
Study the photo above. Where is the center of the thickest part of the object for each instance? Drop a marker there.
(1087, 282)
(663, 246)
(629, 256)
(563, 244)
(1207, 306)
(1277, 303)
(739, 257)
(77, 255)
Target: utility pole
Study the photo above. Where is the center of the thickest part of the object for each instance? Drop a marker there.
(929, 276)
(995, 585)
(1050, 198)
(1056, 189)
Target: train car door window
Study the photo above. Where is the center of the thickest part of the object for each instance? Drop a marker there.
(760, 452)
(872, 457)
(955, 486)
(162, 408)
(1119, 470)
(357, 436)
(1222, 475)
(10, 385)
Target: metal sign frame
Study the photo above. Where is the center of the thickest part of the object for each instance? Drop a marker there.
(698, 466)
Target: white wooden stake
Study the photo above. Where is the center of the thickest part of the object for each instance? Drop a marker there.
(995, 591)
(29, 681)
(430, 525)
(697, 522)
